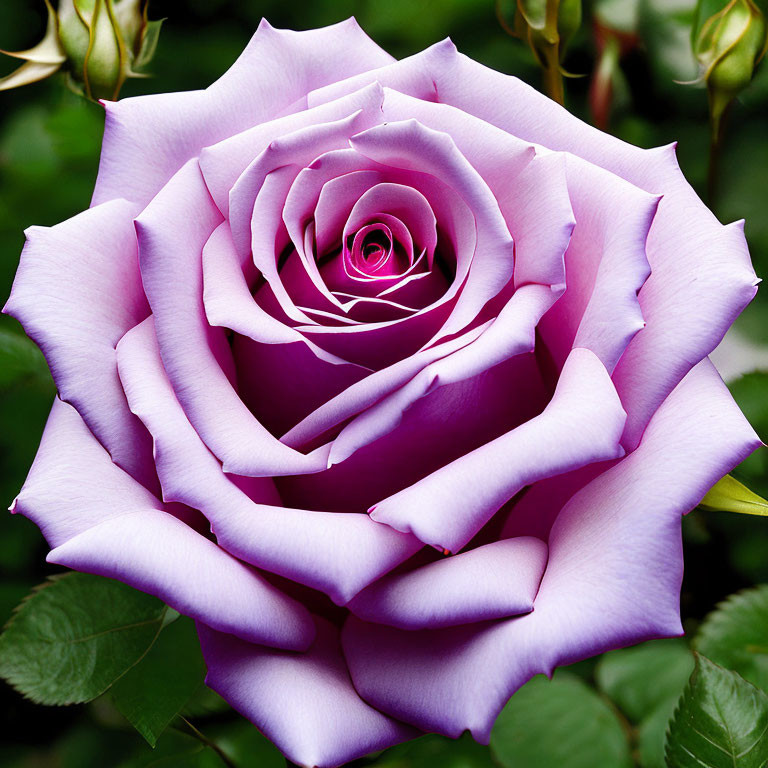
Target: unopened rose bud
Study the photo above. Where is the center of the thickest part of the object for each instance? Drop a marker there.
(728, 44)
(99, 43)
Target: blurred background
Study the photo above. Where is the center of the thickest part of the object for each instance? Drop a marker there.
(49, 149)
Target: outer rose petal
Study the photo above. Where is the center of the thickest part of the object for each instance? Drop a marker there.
(64, 296)
(701, 273)
(64, 493)
(606, 266)
(102, 521)
(305, 703)
(156, 553)
(148, 138)
(613, 576)
(494, 581)
(414, 75)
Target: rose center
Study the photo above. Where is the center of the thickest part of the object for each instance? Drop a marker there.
(373, 250)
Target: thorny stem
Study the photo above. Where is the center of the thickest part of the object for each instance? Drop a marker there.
(201, 737)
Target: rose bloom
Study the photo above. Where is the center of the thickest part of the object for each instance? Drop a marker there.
(392, 374)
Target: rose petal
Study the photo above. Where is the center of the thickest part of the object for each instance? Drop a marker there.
(172, 232)
(414, 75)
(73, 485)
(156, 553)
(411, 145)
(537, 207)
(582, 424)
(612, 579)
(337, 554)
(64, 296)
(100, 520)
(148, 138)
(605, 266)
(511, 333)
(490, 582)
(304, 703)
(691, 298)
(371, 389)
(283, 383)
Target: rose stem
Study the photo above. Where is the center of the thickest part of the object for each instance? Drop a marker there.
(553, 76)
(716, 136)
(208, 743)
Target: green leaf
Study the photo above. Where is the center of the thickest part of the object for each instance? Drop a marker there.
(433, 750)
(735, 635)
(721, 722)
(154, 691)
(562, 723)
(642, 678)
(75, 635)
(20, 358)
(729, 495)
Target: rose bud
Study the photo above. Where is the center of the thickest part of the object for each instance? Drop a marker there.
(728, 45)
(99, 43)
(393, 375)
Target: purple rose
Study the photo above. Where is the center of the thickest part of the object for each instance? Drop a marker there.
(393, 375)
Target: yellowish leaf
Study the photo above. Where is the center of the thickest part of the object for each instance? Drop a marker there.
(729, 495)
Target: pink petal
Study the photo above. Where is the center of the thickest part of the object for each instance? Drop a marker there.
(581, 425)
(490, 582)
(148, 138)
(701, 275)
(605, 266)
(337, 554)
(64, 296)
(612, 579)
(305, 703)
(172, 232)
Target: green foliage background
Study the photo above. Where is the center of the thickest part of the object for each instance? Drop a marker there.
(49, 145)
